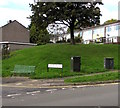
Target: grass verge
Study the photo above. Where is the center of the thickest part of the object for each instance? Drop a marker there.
(50, 75)
(92, 59)
(94, 78)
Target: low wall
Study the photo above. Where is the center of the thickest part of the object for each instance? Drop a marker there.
(15, 45)
(18, 46)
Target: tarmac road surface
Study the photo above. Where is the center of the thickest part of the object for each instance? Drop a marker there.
(71, 96)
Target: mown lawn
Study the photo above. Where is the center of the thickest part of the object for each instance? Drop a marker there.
(94, 78)
(92, 59)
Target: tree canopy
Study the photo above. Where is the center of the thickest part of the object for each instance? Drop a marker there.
(72, 14)
(39, 36)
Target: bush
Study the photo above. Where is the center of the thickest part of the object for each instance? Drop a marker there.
(41, 43)
(68, 40)
(61, 41)
(50, 42)
(78, 39)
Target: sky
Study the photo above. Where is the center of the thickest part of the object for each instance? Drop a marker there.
(19, 10)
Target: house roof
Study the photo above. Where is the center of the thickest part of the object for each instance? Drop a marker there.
(101, 25)
(13, 22)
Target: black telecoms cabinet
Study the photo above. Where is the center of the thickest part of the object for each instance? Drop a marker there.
(109, 63)
(75, 63)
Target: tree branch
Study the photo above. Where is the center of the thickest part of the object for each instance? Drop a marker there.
(62, 22)
(65, 23)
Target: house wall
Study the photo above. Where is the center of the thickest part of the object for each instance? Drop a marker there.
(76, 33)
(118, 39)
(15, 32)
(15, 35)
(66, 36)
(0, 41)
(112, 33)
(0, 34)
(109, 33)
(87, 36)
(17, 47)
(98, 33)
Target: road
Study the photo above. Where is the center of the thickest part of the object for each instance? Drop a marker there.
(106, 95)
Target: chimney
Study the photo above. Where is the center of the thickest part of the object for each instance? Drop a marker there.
(9, 21)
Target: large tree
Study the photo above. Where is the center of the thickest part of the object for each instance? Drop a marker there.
(72, 14)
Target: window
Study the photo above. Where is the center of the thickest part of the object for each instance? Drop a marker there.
(117, 27)
(80, 34)
(109, 29)
(89, 32)
(101, 30)
(95, 31)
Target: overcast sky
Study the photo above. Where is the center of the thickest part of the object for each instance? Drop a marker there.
(19, 10)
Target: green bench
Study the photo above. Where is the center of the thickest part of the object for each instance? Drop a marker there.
(23, 69)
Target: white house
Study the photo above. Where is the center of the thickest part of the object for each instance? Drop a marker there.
(87, 36)
(66, 36)
(98, 34)
(106, 33)
(112, 33)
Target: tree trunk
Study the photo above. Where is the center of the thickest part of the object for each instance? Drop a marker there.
(72, 35)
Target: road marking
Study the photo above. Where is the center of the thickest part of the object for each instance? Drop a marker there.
(46, 84)
(18, 84)
(11, 95)
(34, 80)
(80, 86)
(63, 88)
(32, 92)
(51, 90)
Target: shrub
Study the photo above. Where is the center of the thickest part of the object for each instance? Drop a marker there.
(68, 40)
(78, 39)
(61, 41)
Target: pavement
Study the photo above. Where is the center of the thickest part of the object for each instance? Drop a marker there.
(25, 82)
(32, 83)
